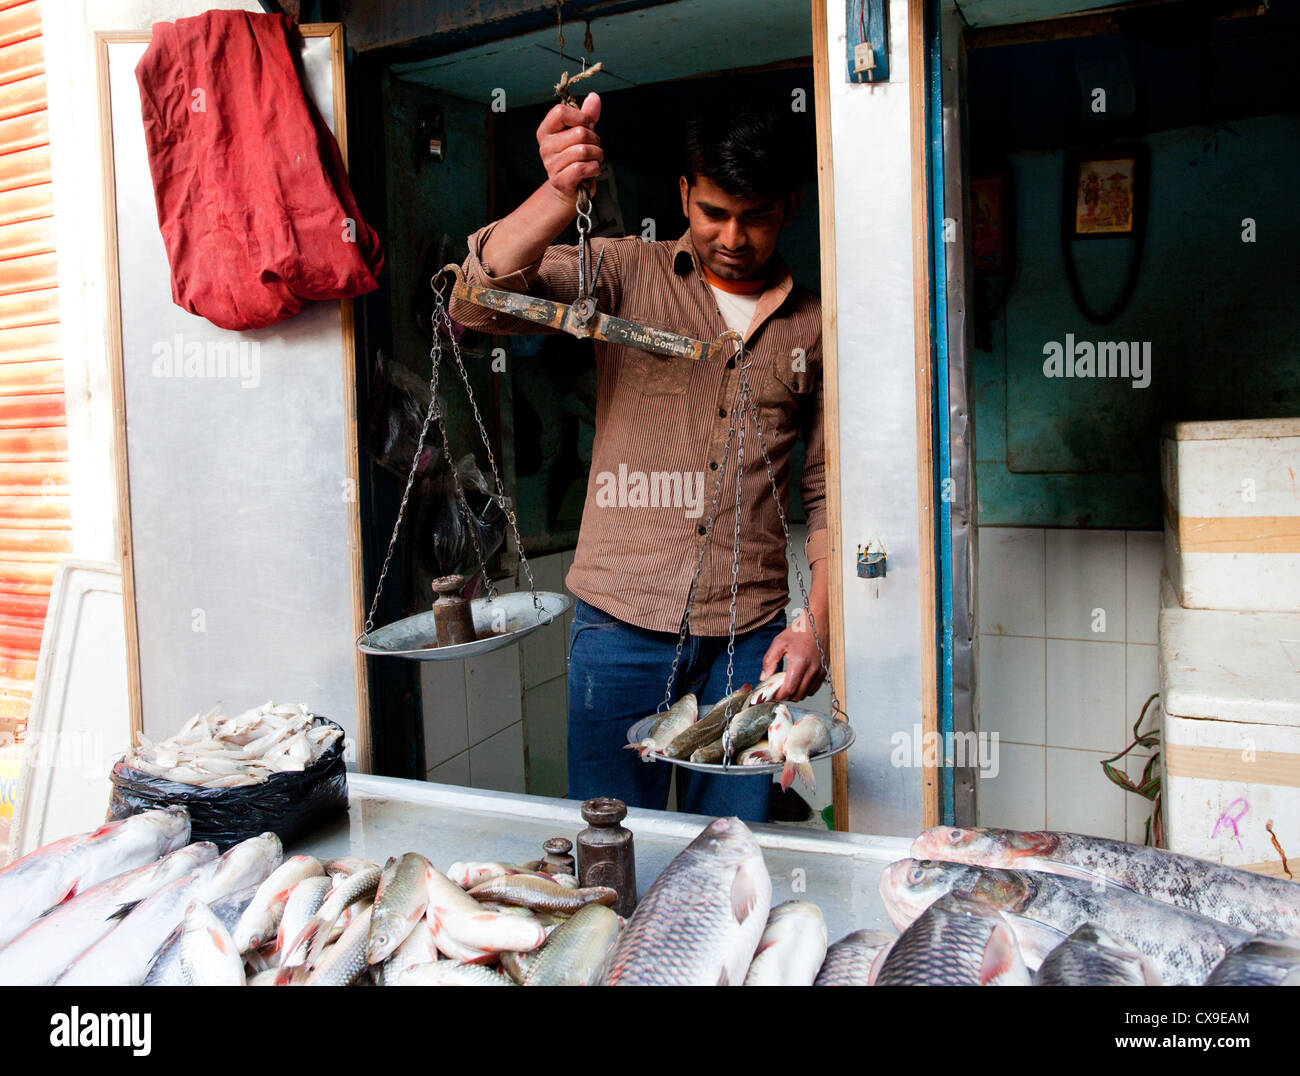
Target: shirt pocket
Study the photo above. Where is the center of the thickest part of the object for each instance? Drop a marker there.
(784, 386)
(657, 375)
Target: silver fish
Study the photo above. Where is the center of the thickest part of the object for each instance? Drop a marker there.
(124, 955)
(680, 716)
(51, 874)
(766, 690)
(742, 731)
(207, 951)
(464, 930)
(1271, 959)
(304, 902)
(40, 953)
(449, 973)
(1242, 899)
(516, 965)
(956, 941)
(700, 921)
(420, 947)
(166, 967)
(541, 894)
(808, 738)
(709, 727)
(400, 901)
(1043, 908)
(575, 950)
(1095, 957)
(855, 959)
(262, 916)
(344, 962)
(307, 946)
(792, 948)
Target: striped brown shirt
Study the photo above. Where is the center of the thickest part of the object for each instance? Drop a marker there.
(661, 432)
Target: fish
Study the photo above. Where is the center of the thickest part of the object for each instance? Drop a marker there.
(304, 902)
(575, 951)
(215, 751)
(855, 959)
(809, 737)
(464, 930)
(1267, 959)
(792, 947)
(1092, 956)
(400, 901)
(1241, 899)
(208, 954)
(767, 690)
(758, 755)
(541, 895)
(165, 970)
(676, 720)
(516, 965)
(419, 947)
(742, 731)
(306, 947)
(1043, 909)
(345, 865)
(709, 727)
(468, 874)
(125, 954)
(778, 732)
(53, 873)
(956, 941)
(344, 962)
(40, 953)
(262, 916)
(449, 973)
(701, 919)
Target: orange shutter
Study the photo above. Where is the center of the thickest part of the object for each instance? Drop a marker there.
(35, 521)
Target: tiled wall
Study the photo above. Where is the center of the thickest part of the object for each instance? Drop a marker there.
(500, 721)
(1067, 655)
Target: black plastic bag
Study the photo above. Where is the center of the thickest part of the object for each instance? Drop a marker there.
(443, 533)
(290, 804)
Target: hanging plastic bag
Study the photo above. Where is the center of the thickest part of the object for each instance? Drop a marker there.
(443, 533)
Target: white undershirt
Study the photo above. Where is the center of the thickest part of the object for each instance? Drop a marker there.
(737, 310)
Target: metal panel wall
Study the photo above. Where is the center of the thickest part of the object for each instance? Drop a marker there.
(35, 525)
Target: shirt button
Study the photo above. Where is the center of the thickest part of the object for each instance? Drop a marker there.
(731, 364)
(713, 465)
(699, 529)
(722, 412)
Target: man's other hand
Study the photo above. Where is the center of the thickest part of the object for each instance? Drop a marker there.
(803, 671)
(569, 146)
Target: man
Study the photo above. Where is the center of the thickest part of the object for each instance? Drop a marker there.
(661, 432)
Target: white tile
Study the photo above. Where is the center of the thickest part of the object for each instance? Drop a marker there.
(446, 724)
(498, 763)
(1012, 798)
(1085, 584)
(492, 688)
(544, 653)
(1085, 695)
(1080, 797)
(1010, 685)
(455, 771)
(546, 724)
(1011, 587)
(1146, 557)
(1142, 680)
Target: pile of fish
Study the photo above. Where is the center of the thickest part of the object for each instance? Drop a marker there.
(746, 728)
(233, 752)
(1000, 907)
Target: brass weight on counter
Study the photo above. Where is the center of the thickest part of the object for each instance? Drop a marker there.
(452, 619)
(605, 852)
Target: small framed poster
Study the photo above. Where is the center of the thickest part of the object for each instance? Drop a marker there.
(1105, 193)
(991, 205)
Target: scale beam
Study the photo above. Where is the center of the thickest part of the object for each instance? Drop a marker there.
(583, 320)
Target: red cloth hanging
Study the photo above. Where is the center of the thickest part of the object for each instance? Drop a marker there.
(253, 200)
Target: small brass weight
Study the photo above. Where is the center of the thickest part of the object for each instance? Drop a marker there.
(452, 618)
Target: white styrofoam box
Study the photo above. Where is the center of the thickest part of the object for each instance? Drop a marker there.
(1168, 596)
(1230, 744)
(1232, 513)
(1085, 582)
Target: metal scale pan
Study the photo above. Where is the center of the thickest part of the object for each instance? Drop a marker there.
(416, 638)
(842, 737)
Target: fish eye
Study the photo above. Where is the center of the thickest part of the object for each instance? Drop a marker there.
(918, 874)
(956, 836)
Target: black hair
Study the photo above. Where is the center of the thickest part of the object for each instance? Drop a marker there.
(751, 147)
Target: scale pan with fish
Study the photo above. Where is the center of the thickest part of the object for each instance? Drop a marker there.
(841, 733)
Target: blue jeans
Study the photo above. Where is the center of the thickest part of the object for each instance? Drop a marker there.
(617, 674)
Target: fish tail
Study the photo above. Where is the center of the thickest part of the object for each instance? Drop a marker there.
(787, 775)
(806, 775)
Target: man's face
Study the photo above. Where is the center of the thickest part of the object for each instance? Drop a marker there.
(733, 236)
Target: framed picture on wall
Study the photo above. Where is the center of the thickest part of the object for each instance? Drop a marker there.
(991, 207)
(1105, 192)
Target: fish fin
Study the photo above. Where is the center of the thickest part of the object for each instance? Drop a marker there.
(877, 963)
(1034, 939)
(744, 892)
(806, 775)
(123, 910)
(722, 978)
(1002, 964)
(787, 775)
